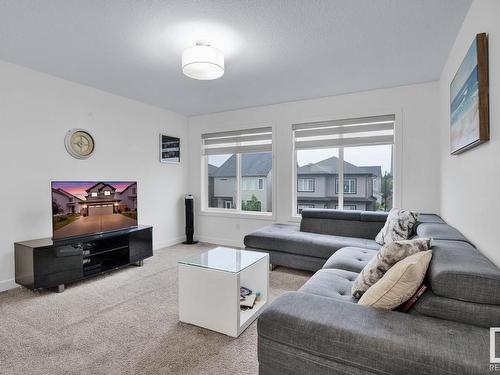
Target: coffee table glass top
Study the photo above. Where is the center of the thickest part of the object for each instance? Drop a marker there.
(225, 259)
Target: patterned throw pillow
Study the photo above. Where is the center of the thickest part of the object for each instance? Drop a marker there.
(386, 257)
(399, 283)
(398, 226)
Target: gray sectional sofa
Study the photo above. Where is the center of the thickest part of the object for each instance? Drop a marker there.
(320, 329)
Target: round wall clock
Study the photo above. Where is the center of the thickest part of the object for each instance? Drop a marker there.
(79, 143)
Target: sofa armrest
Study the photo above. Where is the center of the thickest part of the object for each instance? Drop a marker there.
(369, 339)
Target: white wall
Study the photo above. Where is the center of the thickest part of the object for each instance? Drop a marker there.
(470, 182)
(416, 107)
(36, 112)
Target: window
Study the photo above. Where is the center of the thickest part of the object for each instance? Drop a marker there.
(305, 184)
(238, 170)
(93, 194)
(221, 177)
(354, 153)
(350, 185)
(107, 192)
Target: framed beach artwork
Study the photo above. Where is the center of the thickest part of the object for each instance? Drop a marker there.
(469, 97)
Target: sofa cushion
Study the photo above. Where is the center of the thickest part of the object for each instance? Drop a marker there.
(386, 257)
(331, 283)
(399, 283)
(460, 271)
(478, 314)
(288, 239)
(352, 259)
(438, 231)
(358, 224)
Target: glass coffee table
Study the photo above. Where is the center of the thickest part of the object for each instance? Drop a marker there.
(209, 288)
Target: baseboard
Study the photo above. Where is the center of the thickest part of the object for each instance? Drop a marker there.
(220, 241)
(7, 284)
(160, 245)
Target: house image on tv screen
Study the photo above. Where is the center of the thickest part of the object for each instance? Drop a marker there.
(80, 208)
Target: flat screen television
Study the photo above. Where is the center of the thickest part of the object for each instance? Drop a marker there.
(82, 208)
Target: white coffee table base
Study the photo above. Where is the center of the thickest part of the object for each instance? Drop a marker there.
(210, 298)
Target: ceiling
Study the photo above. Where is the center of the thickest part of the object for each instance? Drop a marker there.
(276, 50)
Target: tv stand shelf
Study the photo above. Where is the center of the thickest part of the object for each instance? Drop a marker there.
(104, 251)
(45, 263)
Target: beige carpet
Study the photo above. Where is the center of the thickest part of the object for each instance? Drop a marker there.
(123, 323)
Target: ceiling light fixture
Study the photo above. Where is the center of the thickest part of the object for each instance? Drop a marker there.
(203, 62)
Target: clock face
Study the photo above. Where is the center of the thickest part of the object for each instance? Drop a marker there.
(79, 143)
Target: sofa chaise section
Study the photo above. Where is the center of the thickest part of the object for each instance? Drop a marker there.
(322, 329)
(302, 333)
(320, 234)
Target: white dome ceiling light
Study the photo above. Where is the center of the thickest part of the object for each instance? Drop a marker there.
(203, 62)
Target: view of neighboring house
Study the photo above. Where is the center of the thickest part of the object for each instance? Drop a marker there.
(317, 185)
(65, 203)
(256, 182)
(376, 171)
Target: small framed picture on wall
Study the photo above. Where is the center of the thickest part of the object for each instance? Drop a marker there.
(170, 149)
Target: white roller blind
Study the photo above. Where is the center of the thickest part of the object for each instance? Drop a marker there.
(238, 141)
(351, 132)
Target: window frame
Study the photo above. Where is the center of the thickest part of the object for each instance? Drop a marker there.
(348, 179)
(237, 211)
(397, 151)
(260, 182)
(313, 180)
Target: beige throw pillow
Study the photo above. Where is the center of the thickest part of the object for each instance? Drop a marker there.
(399, 283)
(386, 257)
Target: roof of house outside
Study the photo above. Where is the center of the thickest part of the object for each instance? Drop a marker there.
(376, 170)
(331, 166)
(212, 169)
(259, 164)
(252, 165)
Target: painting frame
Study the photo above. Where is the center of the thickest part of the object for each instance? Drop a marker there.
(170, 149)
(469, 99)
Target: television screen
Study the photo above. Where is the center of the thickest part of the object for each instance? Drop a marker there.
(86, 207)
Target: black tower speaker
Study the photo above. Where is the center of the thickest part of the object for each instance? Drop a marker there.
(189, 204)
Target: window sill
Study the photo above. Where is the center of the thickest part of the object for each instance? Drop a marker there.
(241, 215)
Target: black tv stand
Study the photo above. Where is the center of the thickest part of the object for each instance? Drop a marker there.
(45, 263)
